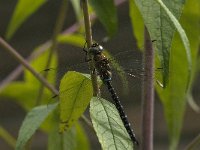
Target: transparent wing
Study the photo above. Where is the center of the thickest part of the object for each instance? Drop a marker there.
(127, 67)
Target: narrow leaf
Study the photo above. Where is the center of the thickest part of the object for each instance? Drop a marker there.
(175, 95)
(24, 92)
(75, 93)
(82, 139)
(161, 28)
(73, 39)
(77, 9)
(106, 12)
(32, 122)
(190, 21)
(23, 10)
(108, 125)
(137, 24)
(182, 35)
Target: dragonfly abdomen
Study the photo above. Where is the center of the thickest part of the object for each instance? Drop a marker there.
(121, 112)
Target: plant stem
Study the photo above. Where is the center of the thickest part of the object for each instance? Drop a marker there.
(20, 59)
(85, 119)
(58, 27)
(194, 144)
(148, 95)
(7, 137)
(88, 32)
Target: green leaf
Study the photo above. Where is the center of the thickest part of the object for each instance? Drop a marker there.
(106, 12)
(77, 9)
(183, 36)
(66, 140)
(190, 20)
(73, 139)
(32, 122)
(161, 28)
(24, 95)
(108, 125)
(73, 39)
(23, 10)
(137, 24)
(175, 95)
(75, 93)
(82, 139)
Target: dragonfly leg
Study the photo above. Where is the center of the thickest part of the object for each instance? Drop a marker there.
(86, 53)
(93, 71)
(153, 41)
(84, 49)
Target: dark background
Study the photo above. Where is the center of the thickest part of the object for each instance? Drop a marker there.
(38, 29)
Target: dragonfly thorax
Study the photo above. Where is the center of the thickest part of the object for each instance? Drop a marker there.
(101, 63)
(96, 49)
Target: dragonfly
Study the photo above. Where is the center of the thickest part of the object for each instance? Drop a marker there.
(102, 66)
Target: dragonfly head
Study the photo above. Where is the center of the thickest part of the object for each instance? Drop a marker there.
(96, 49)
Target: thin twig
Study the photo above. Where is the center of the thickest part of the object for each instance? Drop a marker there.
(87, 121)
(88, 32)
(20, 59)
(194, 144)
(7, 137)
(148, 95)
(58, 27)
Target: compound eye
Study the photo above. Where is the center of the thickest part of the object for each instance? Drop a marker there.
(101, 47)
